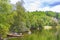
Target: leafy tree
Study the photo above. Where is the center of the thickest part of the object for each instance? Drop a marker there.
(19, 22)
(5, 6)
(5, 10)
(51, 14)
(4, 29)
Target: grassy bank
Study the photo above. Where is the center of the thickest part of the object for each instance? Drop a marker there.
(44, 35)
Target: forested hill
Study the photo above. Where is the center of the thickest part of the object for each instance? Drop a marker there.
(47, 13)
(18, 20)
(44, 17)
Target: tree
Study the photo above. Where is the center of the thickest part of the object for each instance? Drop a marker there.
(4, 29)
(19, 22)
(5, 6)
(51, 14)
(5, 10)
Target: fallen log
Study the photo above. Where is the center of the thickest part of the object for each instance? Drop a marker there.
(14, 35)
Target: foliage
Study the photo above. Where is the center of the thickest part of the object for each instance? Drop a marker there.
(19, 20)
(44, 35)
(5, 10)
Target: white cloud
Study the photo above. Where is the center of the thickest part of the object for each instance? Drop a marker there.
(37, 5)
(55, 9)
(45, 9)
(14, 1)
(33, 5)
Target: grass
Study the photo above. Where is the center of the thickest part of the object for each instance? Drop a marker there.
(44, 35)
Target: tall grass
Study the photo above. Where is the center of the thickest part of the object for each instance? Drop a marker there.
(44, 35)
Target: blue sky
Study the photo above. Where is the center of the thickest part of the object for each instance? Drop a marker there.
(41, 5)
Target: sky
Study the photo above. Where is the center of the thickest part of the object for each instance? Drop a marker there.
(40, 5)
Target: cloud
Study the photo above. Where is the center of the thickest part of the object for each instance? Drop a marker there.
(54, 9)
(41, 5)
(32, 5)
(14, 1)
(54, 4)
